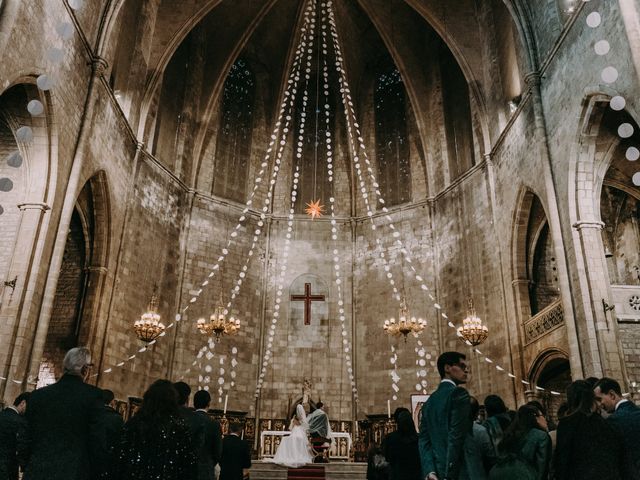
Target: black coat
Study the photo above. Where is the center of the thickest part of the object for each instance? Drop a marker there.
(109, 426)
(161, 450)
(210, 450)
(61, 431)
(236, 455)
(587, 448)
(13, 428)
(626, 421)
(402, 453)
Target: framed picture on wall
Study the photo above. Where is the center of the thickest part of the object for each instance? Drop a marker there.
(417, 400)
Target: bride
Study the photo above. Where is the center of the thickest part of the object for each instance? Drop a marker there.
(295, 450)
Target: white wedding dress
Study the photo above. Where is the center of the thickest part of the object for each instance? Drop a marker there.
(295, 450)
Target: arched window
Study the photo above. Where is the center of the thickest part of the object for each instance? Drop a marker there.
(234, 137)
(392, 144)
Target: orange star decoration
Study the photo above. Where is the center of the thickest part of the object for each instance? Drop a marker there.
(314, 209)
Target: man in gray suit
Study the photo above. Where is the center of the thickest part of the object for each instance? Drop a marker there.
(446, 421)
(624, 417)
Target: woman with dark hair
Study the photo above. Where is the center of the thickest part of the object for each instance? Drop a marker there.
(401, 450)
(525, 450)
(587, 448)
(155, 443)
(498, 419)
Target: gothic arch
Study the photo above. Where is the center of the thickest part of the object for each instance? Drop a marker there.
(545, 360)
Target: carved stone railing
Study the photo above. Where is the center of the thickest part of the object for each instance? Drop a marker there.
(543, 322)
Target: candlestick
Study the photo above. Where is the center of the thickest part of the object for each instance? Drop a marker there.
(226, 398)
(388, 408)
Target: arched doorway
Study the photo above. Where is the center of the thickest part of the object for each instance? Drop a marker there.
(551, 371)
(77, 298)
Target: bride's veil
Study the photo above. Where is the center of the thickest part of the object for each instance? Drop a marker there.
(302, 416)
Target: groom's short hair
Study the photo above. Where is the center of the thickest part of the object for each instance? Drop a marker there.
(449, 358)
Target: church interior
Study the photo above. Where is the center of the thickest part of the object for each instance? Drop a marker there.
(286, 201)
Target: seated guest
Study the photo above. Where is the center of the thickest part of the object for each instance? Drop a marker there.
(236, 455)
(61, 417)
(377, 465)
(155, 443)
(479, 455)
(624, 417)
(401, 450)
(587, 447)
(108, 429)
(13, 428)
(211, 448)
(525, 450)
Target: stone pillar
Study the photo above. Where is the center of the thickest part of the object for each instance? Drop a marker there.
(599, 331)
(19, 304)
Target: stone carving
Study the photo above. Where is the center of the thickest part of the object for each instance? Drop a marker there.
(543, 322)
(634, 302)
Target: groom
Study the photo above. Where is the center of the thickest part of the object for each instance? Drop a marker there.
(319, 432)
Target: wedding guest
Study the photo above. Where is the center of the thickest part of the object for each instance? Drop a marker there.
(13, 428)
(155, 443)
(624, 417)
(61, 418)
(525, 450)
(211, 449)
(401, 450)
(236, 455)
(377, 465)
(446, 420)
(587, 447)
(479, 455)
(498, 419)
(109, 425)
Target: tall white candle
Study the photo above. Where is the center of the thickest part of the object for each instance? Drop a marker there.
(388, 408)
(226, 398)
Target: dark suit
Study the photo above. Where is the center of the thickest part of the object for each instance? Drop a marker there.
(236, 455)
(401, 451)
(626, 421)
(61, 430)
(12, 432)
(109, 424)
(587, 448)
(210, 451)
(444, 426)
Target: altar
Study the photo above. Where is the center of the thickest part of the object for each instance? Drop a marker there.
(270, 440)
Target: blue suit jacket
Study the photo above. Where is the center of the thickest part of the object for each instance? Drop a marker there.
(445, 424)
(626, 420)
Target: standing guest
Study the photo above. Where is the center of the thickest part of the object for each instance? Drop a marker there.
(109, 425)
(479, 455)
(498, 419)
(401, 450)
(377, 465)
(587, 446)
(446, 421)
(525, 450)
(155, 444)
(13, 429)
(62, 419)
(236, 455)
(211, 448)
(624, 417)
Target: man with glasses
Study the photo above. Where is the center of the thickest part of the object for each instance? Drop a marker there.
(446, 420)
(62, 433)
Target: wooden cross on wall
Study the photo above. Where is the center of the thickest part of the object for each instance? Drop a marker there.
(307, 298)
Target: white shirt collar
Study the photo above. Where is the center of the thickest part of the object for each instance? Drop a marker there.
(201, 410)
(620, 403)
(448, 380)
(14, 409)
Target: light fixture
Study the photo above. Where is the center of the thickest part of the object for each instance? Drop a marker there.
(405, 324)
(218, 323)
(149, 327)
(472, 329)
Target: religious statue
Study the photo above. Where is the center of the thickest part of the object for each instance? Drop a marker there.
(306, 391)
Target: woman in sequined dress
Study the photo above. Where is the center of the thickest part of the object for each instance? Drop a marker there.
(155, 443)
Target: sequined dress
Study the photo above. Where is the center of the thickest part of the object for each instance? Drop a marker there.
(159, 452)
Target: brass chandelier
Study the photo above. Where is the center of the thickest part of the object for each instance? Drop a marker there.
(149, 327)
(405, 324)
(472, 329)
(218, 324)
